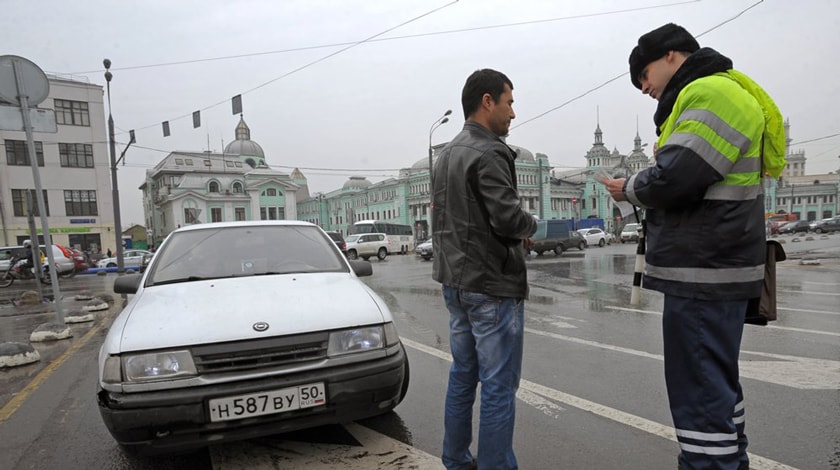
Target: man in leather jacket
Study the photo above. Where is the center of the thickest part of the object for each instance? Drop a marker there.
(478, 231)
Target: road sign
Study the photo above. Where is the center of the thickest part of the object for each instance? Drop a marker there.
(36, 84)
(42, 120)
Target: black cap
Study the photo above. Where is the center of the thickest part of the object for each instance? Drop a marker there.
(655, 44)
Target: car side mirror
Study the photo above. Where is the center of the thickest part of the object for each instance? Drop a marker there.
(361, 268)
(127, 284)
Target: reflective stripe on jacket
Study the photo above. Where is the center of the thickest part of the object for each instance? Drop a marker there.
(705, 222)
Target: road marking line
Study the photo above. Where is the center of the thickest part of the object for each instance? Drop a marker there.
(807, 311)
(807, 292)
(9, 409)
(756, 462)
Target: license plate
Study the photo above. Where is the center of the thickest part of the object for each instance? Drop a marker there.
(264, 403)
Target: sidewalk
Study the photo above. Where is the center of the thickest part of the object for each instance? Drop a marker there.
(17, 322)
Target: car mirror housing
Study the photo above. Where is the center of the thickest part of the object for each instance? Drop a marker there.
(127, 284)
(361, 268)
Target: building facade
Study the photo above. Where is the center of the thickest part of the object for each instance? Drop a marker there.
(238, 184)
(74, 169)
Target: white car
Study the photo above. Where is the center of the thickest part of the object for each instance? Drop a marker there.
(365, 245)
(247, 342)
(424, 250)
(130, 258)
(593, 236)
(63, 258)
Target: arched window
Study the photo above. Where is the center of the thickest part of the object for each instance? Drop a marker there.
(213, 187)
(237, 188)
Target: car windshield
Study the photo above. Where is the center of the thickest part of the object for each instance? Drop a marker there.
(630, 228)
(236, 251)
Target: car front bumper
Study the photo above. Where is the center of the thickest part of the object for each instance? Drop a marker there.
(178, 419)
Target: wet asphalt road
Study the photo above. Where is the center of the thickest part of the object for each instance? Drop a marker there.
(592, 394)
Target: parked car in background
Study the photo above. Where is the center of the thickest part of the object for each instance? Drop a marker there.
(80, 260)
(424, 250)
(630, 233)
(230, 334)
(62, 256)
(797, 226)
(828, 225)
(130, 258)
(365, 245)
(593, 236)
(555, 235)
(338, 239)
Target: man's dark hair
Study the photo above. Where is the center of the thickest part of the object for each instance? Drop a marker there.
(481, 82)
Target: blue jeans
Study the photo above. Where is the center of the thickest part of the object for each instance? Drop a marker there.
(702, 341)
(485, 336)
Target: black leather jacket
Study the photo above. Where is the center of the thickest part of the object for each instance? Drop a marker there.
(477, 222)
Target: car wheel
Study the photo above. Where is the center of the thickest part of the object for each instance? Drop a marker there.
(6, 280)
(581, 246)
(601, 243)
(382, 254)
(67, 274)
(558, 250)
(818, 230)
(352, 254)
(622, 241)
(539, 252)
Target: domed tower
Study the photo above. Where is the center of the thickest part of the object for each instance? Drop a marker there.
(637, 160)
(249, 151)
(598, 155)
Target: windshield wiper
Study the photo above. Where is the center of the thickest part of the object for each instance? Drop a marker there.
(189, 279)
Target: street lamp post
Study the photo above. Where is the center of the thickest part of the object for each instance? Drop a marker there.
(115, 190)
(438, 122)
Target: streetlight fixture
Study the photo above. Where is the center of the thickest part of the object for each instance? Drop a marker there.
(115, 190)
(438, 122)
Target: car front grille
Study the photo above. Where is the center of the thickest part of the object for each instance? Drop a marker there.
(261, 353)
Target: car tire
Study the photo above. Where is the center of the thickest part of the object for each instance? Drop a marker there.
(6, 280)
(351, 254)
(581, 246)
(601, 243)
(68, 274)
(558, 250)
(382, 254)
(818, 230)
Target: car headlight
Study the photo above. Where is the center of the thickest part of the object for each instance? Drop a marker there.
(158, 366)
(361, 339)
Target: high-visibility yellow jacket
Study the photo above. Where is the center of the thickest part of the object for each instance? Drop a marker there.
(705, 229)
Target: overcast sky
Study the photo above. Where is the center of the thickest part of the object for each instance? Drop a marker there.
(367, 110)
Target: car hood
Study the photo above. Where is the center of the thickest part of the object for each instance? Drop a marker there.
(221, 310)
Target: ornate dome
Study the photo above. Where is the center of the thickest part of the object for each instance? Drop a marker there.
(356, 182)
(522, 154)
(243, 145)
(422, 164)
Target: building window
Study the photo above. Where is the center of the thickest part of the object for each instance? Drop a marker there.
(179, 161)
(214, 187)
(237, 188)
(215, 214)
(270, 192)
(17, 153)
(80, 202)
(239, 213)
(191, 215)
(272, 213)
(19, 202)
(188, 161)
(72, 113)
(76, 155)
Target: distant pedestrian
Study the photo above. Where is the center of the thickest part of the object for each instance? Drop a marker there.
(719, 133)
(108, 254)
(478, 232)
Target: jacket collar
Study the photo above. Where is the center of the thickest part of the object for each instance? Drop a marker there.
(474, 126)
(706, 61)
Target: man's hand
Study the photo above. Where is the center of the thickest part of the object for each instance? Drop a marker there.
(616, 188)
(526, 243)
